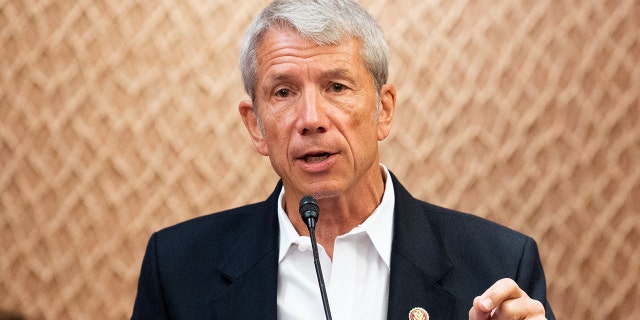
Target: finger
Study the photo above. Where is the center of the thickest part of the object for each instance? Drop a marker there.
(502, 290)
(476, 312)
(521, 308)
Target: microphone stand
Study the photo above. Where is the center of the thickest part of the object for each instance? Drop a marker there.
(309, 211)
(316, 262)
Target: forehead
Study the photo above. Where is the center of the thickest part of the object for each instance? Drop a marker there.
(281, 45)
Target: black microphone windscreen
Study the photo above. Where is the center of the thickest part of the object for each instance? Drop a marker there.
(309, 208)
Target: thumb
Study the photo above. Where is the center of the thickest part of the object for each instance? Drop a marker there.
(482, 309)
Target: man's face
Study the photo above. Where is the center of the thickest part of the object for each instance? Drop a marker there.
(316, 106)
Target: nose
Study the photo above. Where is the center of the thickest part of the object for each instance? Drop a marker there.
(312, 117)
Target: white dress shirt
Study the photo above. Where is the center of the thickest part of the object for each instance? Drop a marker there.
(357, 280)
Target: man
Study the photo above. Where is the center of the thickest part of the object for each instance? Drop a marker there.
(316, 73)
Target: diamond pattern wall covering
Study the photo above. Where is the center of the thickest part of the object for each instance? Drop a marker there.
(118, 118)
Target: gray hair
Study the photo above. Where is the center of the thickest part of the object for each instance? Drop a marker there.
(326, 22)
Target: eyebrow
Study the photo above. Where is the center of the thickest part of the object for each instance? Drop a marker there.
(337, 73)
(340, 73)
(277, 77)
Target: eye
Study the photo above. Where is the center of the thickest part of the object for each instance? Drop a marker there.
(282, 93)
(337, 87)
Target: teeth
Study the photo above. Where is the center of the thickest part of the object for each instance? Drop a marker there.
(316, 158)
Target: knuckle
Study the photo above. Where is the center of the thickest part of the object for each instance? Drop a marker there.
(509, 283)
(537, 307)
(506, 285)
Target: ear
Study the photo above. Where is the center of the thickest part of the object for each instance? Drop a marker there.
(387, 106)
(250, 119)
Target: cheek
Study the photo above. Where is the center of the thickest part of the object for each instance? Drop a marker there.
(361, 135)
(367, 125)
(277, 132)
(277, 116)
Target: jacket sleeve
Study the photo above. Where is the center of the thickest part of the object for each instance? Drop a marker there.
(531, 277)
(150, 302)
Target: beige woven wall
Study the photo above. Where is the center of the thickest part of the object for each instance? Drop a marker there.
(118, 118)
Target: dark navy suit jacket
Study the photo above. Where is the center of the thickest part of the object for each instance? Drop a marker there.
(225, 265)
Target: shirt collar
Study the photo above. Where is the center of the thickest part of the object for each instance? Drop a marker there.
(378, 226)
(288, 234)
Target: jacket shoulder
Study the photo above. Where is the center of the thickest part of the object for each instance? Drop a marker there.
(467, 224)
(196, 235)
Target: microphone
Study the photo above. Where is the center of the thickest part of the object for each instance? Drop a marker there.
(309, 211)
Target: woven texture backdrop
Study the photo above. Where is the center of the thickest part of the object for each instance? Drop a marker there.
(118, 118)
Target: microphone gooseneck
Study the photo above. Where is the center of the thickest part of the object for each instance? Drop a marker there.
(309, 211)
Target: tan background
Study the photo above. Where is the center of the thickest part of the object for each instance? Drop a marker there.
(118, 118)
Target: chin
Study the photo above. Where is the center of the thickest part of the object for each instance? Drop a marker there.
(324, 190)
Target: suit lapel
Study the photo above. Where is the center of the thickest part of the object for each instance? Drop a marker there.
(418, 262)
(251, 268)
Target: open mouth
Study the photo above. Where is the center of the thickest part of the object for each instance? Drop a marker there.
(316, 157)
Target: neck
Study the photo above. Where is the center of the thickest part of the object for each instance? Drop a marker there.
(339, 215)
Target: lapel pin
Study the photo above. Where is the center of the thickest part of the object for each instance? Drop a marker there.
(418, 314)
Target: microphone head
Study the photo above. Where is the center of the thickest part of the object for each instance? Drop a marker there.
(309, 211)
